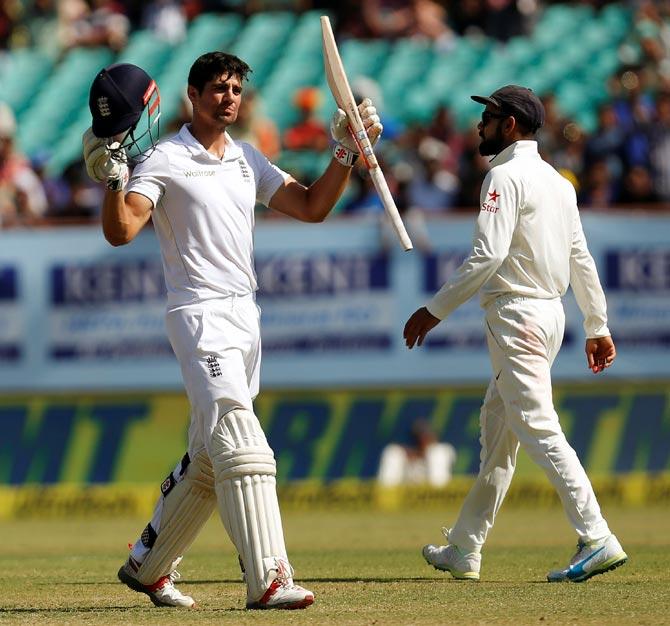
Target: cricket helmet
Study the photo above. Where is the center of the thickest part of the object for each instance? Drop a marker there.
(120, 96)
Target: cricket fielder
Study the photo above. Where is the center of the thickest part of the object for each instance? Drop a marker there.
(199, 188)
(528, 247)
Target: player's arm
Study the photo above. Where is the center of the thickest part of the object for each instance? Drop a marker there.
(600, 349)
(124, 216)
(313, 203)
(500, 200)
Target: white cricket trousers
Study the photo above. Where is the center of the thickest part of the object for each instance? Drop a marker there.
(218, 346)
(524, 336)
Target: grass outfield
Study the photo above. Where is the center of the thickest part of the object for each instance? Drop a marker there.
(365, 568)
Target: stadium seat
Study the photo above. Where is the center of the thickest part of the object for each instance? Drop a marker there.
(62, 98)
(260, 42)
(148, 51)
(23, 72)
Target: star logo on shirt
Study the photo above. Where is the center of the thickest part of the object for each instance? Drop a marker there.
(493, 195)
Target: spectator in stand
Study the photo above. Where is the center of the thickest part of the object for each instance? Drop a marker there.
(167, 19)
(468, 17)
(652, 33)
(100, 24)
(599, 190)
(421, 460)
(508, 18)
(659, 147)
(630, 97)
(433, 188)
(568, 158)
(56, 188)
(441, 127)
(607, 142)
(22, 198)
(254, 127)
(387, 19)
(431, 23)
(472, 170)
(364, 199)
(39, 26)
(394, 19)
(85, 198)
(637, 189)
(550, 137)
(7, 22)
(309, 133)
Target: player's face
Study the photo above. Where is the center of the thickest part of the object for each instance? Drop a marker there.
(219, 101)
(491, 132)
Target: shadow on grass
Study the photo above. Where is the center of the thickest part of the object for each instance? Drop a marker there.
(328, 579)
(101, 609)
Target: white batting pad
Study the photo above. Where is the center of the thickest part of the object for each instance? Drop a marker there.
(246, 492)
(186, 503)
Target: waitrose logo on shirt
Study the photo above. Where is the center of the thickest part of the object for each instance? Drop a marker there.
(191, 173)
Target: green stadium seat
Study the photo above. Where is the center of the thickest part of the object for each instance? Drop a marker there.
(408, 62)
(261, 40)
(22, 77)
(62, 97)
(148, 51)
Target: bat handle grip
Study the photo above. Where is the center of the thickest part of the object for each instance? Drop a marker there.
(389, 206)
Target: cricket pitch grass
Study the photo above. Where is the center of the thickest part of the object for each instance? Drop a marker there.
(364, 567)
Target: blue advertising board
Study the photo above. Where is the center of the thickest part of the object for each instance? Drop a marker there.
(77, 314)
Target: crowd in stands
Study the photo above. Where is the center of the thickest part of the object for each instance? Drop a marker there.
(432, 168)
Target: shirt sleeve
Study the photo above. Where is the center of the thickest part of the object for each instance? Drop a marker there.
(500, 203)
(269, 177)
(585, 284)
(150, 177)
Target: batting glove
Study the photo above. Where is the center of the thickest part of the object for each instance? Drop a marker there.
(101, 166)
(345, 149)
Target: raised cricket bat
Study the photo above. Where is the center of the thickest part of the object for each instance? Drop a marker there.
(339, 86)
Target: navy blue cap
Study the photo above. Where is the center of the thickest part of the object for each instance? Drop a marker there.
(118, 96)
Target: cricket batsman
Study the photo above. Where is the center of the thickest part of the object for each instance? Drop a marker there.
(199, 188)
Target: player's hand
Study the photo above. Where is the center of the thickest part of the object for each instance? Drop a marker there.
(339, 130)
(100, 165)
(418, 326)
(600, 353)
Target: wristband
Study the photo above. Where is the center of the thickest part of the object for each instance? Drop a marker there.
(344, 155)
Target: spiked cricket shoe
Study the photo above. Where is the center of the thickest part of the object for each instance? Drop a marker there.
(161, 593)
(596, 557)
(461, 565)
(282, 593)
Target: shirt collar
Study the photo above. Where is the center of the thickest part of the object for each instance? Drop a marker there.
(233, 150)
(526, 147)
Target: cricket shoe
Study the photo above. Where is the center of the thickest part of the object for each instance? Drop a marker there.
(283, 593)
(162, 592)
(449, 558)
(595, 557)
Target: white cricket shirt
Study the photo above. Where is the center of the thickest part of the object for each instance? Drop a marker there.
(204, 214)
(528, 241)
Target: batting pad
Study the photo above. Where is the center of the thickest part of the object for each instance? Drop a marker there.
(186, 503)
(246, 492)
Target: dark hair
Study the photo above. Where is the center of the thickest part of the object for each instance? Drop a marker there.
(211, 65)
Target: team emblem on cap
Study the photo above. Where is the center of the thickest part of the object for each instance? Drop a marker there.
(103, 106)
